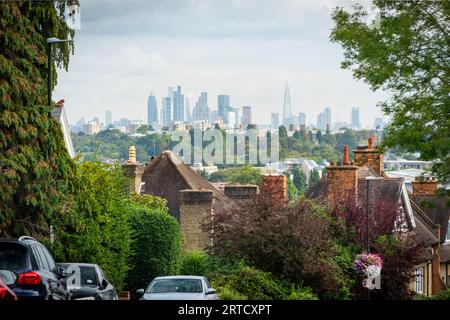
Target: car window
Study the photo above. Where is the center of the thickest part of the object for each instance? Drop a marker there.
(45, 264)
(49, 258)
(177, 285)
(88, 276)
(207, 283)
(13, 256)
(37, 258)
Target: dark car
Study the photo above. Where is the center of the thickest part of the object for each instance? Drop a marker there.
(87, 282)
(38, 277)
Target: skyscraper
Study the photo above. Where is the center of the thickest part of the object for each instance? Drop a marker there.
(327, 117)
(274, 120)
(321, 121)
(178, 105)
(287, 110)
(355, 124)
(188, 111)
(108, 119)
(237, 117)
(201, 110)
(302, 118)
(223, 106)
(246, 115)
(152, 111)
(166, 117)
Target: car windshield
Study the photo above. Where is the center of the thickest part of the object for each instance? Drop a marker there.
(176, 285)
(81, 276)
(13, 256)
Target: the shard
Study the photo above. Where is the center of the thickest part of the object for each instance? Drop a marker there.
(287, 110)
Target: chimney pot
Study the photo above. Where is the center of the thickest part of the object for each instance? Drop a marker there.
(345, 160)
(370, 140)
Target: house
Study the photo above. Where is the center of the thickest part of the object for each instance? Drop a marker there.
(190, 198)
(59, 114)
(436, 207)
(366, 182)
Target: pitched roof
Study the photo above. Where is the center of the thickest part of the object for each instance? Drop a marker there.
(436, 208)
(166, 175)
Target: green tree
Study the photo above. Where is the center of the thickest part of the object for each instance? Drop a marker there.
(291, 190)
(36, 171)
(246, 175)
(319, 136)
(300, 181)
(156, 243)
(95, 228)
(313, 177)
(143, 129)
(405, 51)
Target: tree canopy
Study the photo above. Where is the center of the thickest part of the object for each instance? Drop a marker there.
(405, 50)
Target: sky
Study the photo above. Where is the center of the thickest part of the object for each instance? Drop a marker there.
(248, 49)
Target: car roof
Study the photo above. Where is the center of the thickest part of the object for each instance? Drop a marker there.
(17, 241)
(179, 277)
(66, 264)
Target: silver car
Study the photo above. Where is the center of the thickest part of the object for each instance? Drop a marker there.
(179, 288)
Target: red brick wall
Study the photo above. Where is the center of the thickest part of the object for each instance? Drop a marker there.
(342, 183)
(424, 187)
(274, 187)
(370, 158)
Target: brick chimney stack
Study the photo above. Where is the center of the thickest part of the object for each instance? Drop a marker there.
(195, 208)
(274, 187)
(369, 156)
(428, 186)
(341, 180)
(133, 170)
(239, 192)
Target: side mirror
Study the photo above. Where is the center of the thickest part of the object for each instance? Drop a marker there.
(62, 273)
(210, 291)
(104, 283)
(140, 291)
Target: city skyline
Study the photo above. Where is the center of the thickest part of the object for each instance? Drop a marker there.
(121, 60)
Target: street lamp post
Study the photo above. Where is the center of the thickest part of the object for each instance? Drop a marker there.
(50, 41)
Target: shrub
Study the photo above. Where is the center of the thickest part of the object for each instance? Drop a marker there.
(259, 285)
(156, 245)
(95, 229)
(443, 295)
(194, 263)
(230, 294)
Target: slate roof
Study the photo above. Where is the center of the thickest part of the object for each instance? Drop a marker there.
(436, 208)
(167, 174)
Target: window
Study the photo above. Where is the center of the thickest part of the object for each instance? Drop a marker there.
(13, 256)
(176, 285)
(37, 258)
(447, 237)
(48, 256)
(41, 254)
(419, 280)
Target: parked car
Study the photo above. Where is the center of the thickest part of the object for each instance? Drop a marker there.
(87, 282)
(179, 288)
(7, 277)
(38, 277)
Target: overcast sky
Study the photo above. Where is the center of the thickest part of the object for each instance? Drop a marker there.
(124, 50)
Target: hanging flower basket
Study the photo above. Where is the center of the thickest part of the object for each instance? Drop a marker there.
(368, 265)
